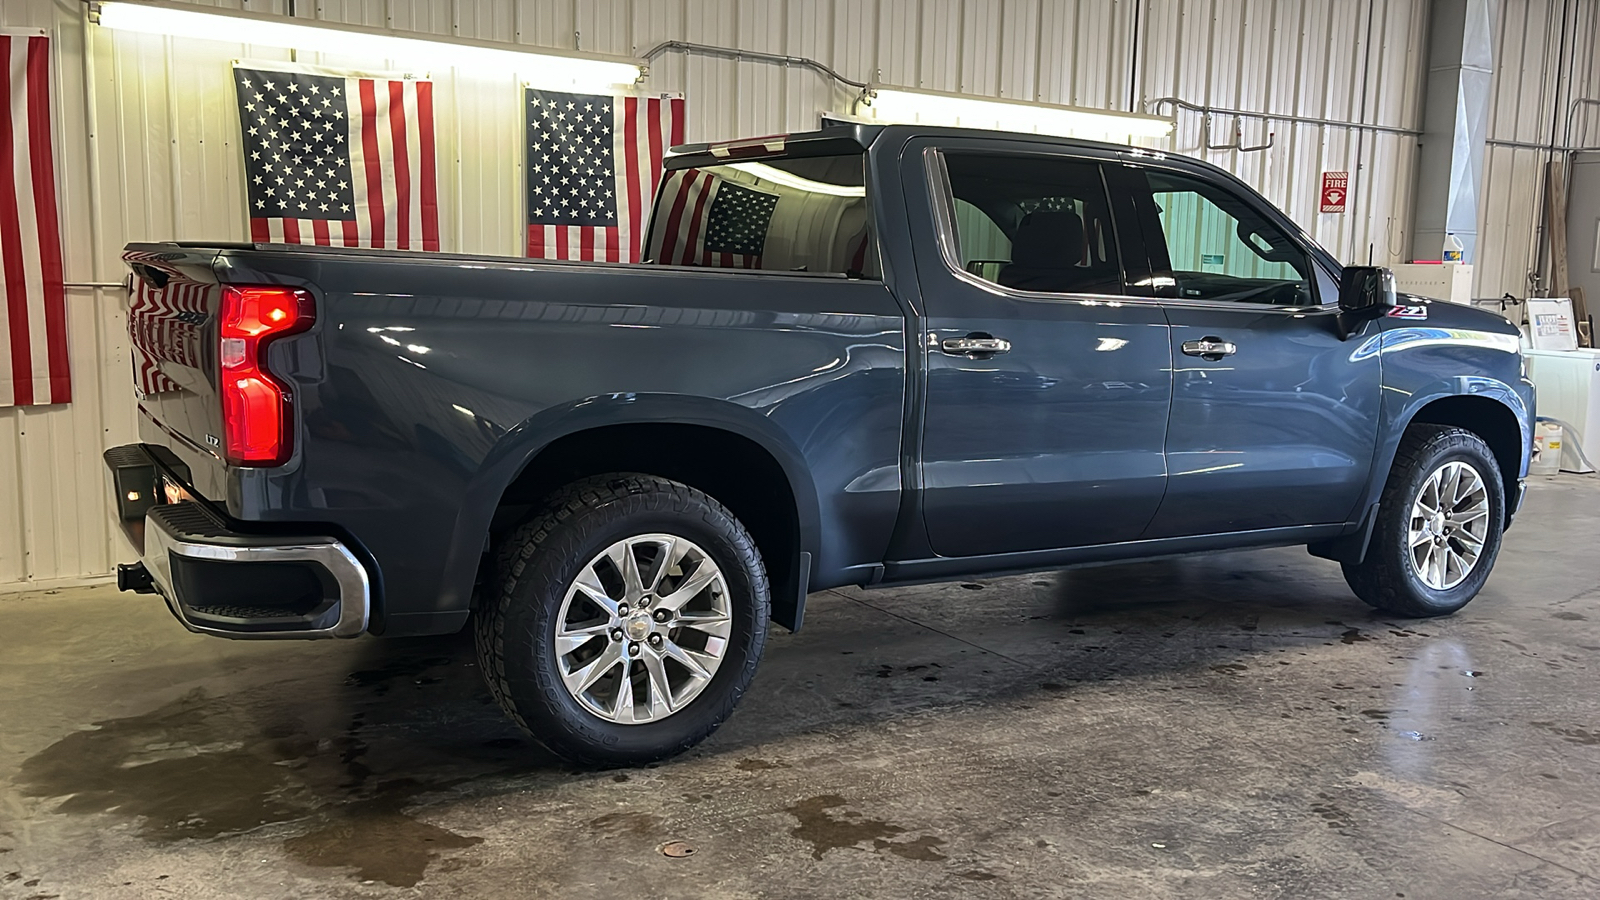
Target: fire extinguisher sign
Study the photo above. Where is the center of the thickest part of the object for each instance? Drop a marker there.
(1335, 189)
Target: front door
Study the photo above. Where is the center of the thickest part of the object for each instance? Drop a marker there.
(1047, 386)
(1274, 415)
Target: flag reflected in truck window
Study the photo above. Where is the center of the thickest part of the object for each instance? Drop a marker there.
(806, 214)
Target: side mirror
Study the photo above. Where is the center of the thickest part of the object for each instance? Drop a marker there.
(1365, 289)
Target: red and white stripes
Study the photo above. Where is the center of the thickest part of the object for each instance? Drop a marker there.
(646, 127)
(34, 368)
(164, 325)
(393, 172)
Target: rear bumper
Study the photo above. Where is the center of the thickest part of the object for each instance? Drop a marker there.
(220, 581)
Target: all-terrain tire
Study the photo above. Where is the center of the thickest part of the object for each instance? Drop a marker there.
(1387, 578)
(538, 562)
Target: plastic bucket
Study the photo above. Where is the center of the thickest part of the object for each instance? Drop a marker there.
(1546, 449)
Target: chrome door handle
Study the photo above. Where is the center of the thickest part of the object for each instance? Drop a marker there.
(975, 345)
(1210, 348)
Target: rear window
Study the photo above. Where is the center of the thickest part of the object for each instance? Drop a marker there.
(780, 215)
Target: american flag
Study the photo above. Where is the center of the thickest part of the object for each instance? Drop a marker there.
(593, 165)
(34, 369)
(336, 160)
(706, 220)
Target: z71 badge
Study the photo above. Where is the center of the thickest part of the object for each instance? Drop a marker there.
(1408, 312)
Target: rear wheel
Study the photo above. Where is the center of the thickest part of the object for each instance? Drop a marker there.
(630, 617)
(1438, 528)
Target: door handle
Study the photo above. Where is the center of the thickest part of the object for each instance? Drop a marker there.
(975, 345)
(1212, 348)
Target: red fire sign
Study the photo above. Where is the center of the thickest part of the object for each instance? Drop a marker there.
(1335, 188)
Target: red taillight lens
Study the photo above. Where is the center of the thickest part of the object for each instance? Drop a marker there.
(257, 419)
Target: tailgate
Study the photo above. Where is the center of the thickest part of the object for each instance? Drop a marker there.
(172, 331)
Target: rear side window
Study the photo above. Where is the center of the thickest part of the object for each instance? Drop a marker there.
(784, 215)
(1034, 223)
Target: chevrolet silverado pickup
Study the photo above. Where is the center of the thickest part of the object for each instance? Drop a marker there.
(865, 355)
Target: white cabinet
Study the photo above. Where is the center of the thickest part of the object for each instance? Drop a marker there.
(1568, 382)
(1437, 281)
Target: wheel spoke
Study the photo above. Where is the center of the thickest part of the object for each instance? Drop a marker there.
(1418, 536)
(622, 706)
(588, 584)
(660, 687)
(571, 639)
(672, 555)
(580, 680)
(694, 662)
(627, 563)
(703, 575)
(714, 623)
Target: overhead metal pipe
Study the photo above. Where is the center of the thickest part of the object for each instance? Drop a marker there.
(753, 55)
(1175, 103)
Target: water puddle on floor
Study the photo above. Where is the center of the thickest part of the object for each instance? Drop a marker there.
(209, 768)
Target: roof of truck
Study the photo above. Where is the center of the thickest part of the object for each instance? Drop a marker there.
(839, 136)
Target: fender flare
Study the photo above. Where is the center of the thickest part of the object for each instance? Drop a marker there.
(1460, 386)
(520, 447)
(1351, 547)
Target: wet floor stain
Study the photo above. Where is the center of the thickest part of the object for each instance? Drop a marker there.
(411, 668)
(203, 768)
(174, 771)
(824, 830)
(377, 839)
(1353, 636)
(1569, 616)
(1230, 668)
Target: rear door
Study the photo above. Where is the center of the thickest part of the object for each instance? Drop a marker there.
(1274, 416)
(1047, 385)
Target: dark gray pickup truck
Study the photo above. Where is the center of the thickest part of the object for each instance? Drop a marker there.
(864, 355)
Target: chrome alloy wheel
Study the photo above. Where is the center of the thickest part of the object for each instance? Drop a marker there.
(1449, 525)
(643, 628)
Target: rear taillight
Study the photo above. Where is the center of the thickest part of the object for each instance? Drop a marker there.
(257, 419)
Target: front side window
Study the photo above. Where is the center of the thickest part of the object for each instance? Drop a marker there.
(1218, 248)
(1033, 223)
(787, 215)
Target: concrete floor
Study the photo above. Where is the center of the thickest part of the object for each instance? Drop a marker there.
(1231, 726)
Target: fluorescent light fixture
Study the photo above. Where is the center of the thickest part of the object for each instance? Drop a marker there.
(791, 180)
(546, 68)
(899, 106)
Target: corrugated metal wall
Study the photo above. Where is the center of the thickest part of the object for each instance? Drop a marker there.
(1536, 81)
(147, 149)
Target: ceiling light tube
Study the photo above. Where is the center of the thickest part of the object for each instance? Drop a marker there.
(546, 68)
(791, 180)
(900, 106)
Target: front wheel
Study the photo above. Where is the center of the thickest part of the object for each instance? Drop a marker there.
(1438, 528)
(630, 617)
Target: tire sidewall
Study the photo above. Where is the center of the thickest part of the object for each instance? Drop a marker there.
(1396, 525)
(537, 593)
